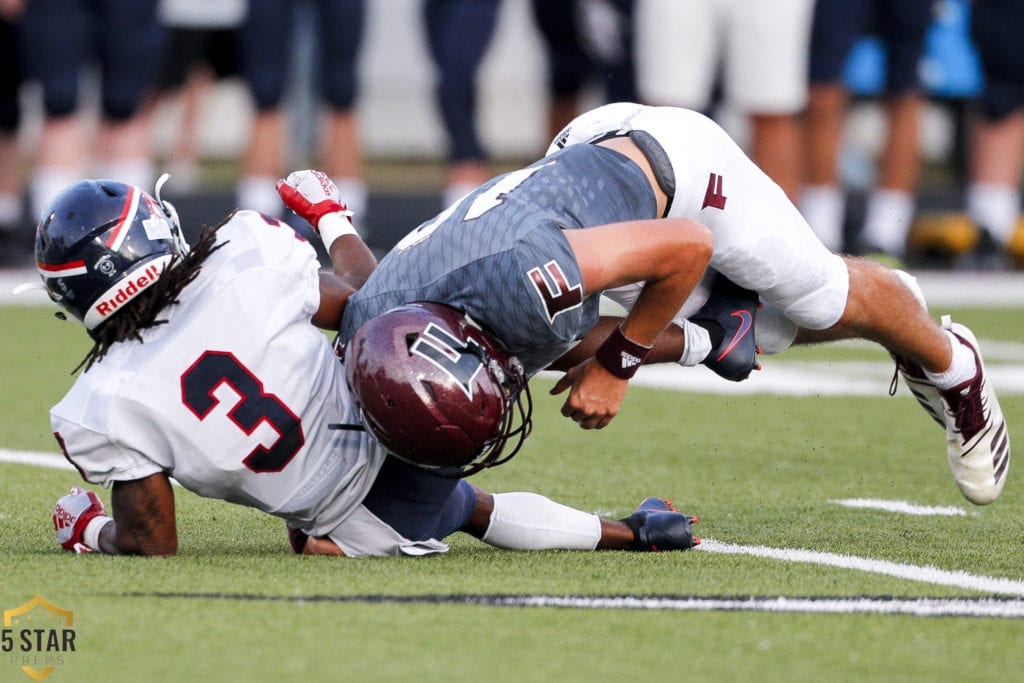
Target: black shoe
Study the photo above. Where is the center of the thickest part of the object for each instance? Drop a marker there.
(728, 316)
(988, 254)
(658, 526)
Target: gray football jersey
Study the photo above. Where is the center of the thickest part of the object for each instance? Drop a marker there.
(500, 256)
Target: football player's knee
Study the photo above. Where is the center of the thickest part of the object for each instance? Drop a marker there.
(910, 282)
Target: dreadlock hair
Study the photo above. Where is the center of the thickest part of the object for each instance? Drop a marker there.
(141, 314)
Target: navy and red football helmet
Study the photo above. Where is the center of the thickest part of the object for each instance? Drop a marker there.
(436, 390)
(100, 243)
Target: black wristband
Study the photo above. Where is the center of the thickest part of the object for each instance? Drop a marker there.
(620, 355)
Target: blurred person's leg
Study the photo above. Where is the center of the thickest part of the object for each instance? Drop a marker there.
(997, 158)
(185, 76)
(677, 57)
(766, 79)
(341, 24)
(997, 152)
(459, 33)
(568, 65)
(835, 27)
(610, 32)
(265, 48)
(130, 44)
(55, 45)
(890, 207)
(10, 121)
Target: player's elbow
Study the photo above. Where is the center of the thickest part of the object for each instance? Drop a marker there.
(691, 244)
(127, 541)
(151, 548)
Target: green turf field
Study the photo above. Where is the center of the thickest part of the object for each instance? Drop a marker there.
(763, 472)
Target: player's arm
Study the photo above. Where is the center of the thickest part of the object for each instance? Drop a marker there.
(352, 262)
(314, 196)
(670, 257)
(667, 348)
(142, 521)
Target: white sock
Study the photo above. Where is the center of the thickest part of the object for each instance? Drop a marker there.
(354, 195)
(10, 209)
(140, 172)
(962, 369)
(259, 193)
(528, 521)
(994, 207)
(887, 219)
(47, 182)
(824, 208)
(697, 343)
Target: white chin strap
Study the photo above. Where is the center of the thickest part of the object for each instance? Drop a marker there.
(172, 215)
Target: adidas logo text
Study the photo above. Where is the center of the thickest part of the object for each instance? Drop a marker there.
(629, 360)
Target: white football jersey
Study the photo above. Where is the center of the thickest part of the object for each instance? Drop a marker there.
(761, 241)
(233, 396)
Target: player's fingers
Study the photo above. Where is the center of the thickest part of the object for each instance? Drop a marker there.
(563, 383)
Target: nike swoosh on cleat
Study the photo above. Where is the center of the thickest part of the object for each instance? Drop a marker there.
(747, 321)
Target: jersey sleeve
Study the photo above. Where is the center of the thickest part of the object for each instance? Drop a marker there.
(98, 459)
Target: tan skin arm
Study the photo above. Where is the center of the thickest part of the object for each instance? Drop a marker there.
(143, 512)
(667, 349)
(670, 256)
(352, 263)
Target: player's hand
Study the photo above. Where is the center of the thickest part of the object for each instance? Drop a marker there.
(311, 545)
(595, 394)
(72, 514)
(312, 195)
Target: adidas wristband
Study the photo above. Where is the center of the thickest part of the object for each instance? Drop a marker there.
(620, 355)
(333, 225)
(91, 533)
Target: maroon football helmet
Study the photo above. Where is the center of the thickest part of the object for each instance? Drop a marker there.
(436, 390)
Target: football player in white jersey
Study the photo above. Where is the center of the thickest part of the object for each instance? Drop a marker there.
(809, 294)
(207, 367)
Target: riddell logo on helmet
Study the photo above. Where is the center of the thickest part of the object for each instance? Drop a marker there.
(127, 292)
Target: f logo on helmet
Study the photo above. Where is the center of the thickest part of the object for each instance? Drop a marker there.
(451, 355)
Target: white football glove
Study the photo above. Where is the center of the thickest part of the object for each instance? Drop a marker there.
(77, 519)
(310, 194)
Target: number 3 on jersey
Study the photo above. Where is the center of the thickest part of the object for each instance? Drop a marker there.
(255, 407)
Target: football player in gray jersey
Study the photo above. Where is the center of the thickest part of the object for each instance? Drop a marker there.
(525, 255)
(630, 195)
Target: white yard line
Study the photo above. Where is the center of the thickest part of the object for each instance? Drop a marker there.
(49, 460)
(902, 507)
(924, 574)
(801, 378)
(922, 607)
(910, 572)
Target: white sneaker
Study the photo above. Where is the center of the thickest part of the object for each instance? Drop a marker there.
(926, 393)
(977, 441)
